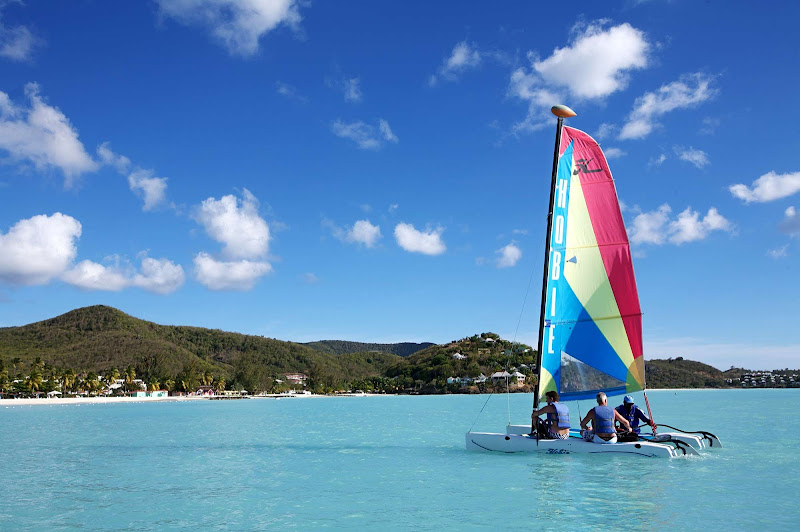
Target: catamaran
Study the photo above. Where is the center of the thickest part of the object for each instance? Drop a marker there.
(590, 326)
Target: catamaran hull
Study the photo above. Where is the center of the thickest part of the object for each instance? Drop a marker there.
(698, 443)
(523, 443)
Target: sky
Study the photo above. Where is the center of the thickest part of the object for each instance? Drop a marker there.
(379, 171)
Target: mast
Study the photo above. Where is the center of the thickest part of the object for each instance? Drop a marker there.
(562, 112)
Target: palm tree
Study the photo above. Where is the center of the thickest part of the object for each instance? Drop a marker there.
(219, 386)
(153, 385)
(92, 383)
(169, 384)
(67, 381)
(3, 380)
(207, 378)
(130, 376)
(34, 381)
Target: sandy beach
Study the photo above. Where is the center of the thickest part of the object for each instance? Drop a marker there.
(92, 400)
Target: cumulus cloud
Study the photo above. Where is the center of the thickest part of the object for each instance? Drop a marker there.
(38, 249)
(657, 227)
(427, 242)
(464, 56)
(43, 135)
(352, 90)
(657, 161)
(366, 136)
(228, 275)
(236, 224)
(245, 236)
(361, 232)
(768, 187)
(509, 255)
(160, 276)
(596, 63)
(698, 158)
(791, 222)
(237, 24)
(689, 91)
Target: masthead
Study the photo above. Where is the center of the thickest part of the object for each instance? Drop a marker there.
(562, 111)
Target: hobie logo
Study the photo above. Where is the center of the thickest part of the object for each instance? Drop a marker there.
(557, 240)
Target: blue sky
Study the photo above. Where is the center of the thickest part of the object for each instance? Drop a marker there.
(379, 171)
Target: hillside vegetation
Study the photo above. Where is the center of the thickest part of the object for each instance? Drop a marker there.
(339, 347)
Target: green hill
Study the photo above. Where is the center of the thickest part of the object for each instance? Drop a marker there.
(340, 347)
(680, 373)
(101, 338)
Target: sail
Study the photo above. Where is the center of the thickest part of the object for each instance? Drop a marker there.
(592, 334)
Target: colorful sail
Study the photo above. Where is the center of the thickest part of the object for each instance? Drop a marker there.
(592, 335)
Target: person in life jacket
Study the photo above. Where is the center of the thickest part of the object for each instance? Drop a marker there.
(632, 413)
(602, 418)
(557, 424)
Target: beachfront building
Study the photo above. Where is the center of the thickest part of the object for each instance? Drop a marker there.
(500, 376)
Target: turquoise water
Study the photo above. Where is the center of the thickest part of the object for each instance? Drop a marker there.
(389, 462)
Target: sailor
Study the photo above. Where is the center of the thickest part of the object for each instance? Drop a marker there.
(557, 424)
(633, 414)
(602, 417)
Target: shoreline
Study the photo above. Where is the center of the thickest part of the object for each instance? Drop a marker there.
(44, 401)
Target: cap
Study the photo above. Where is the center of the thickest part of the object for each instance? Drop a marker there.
(628, 399)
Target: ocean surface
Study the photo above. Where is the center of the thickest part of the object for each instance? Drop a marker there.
(387, 462)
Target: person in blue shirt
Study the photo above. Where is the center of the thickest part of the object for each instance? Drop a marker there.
(557, 425)
(633, 414)
(602, 418)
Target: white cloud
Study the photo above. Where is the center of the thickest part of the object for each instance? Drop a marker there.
(605, 131)
(352, 90)
(657, 161)
(768, 187)
(228, 275)
(427, 242)
(365, 136)
(698, 158)
(791, 222)
(362, 232)
(393, 208)
(595, 64)
(152, 190)
(284, 89)
(38, 249)
(43, 135)
(648, 227)
(160, 276)
(689, 227)
(16, 43)
(613, 153)
(245, 235)
(365, 233)
(656, 227)
(689, 91)
(710, 125)
(243, 232)
(464, 57)
(778, 253)
(238, 24)
(90, 276)
(509, 256)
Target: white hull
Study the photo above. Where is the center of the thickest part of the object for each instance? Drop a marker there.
(698, 443)
(523, 443)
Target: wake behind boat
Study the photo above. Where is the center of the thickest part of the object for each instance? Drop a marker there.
(590, 328)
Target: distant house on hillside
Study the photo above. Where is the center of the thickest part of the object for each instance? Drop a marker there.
(480, 379)
(500, 376)
(459, 356)
(296, 378)
(489, 340)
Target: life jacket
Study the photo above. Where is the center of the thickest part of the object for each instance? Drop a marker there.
(561, 418)
(630, 416)
(604, 420)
